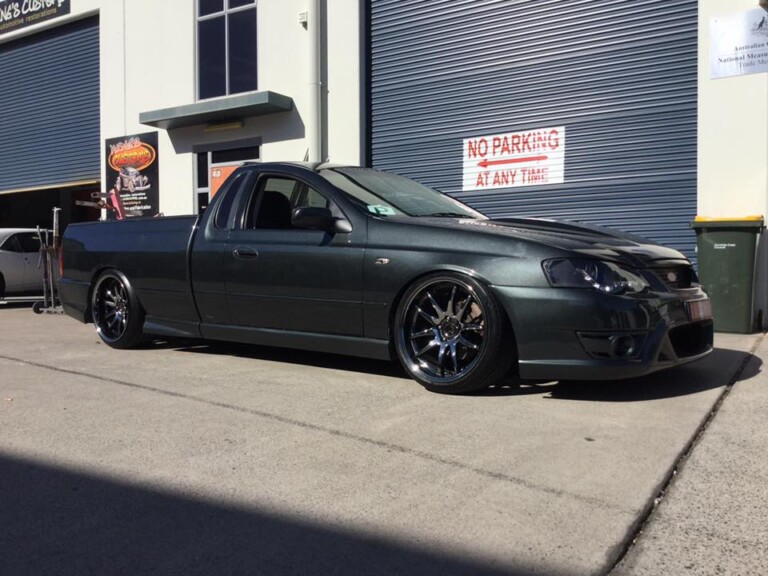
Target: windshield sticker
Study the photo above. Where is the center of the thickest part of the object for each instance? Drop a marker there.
(381, 210)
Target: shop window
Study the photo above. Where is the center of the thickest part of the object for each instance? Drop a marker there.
(226, 47)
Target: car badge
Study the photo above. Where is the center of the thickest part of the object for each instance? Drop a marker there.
(672, 277)
(382, 261)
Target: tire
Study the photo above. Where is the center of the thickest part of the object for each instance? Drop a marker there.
(37, 307)
(116, 312)
(451, 335)
(2, 287)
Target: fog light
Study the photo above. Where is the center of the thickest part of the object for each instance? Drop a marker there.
(624, 346)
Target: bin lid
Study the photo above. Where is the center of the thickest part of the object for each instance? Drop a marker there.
(734, 222)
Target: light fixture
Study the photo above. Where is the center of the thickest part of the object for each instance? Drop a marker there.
(223, 126)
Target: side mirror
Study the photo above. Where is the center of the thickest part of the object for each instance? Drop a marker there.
(314, 218)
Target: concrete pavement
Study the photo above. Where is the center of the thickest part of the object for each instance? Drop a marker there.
(222, 459)
(713, 519)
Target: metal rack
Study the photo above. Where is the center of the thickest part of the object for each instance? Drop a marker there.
(49, 252)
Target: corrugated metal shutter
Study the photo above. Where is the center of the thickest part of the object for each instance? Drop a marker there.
(620, 76)
(49, 107)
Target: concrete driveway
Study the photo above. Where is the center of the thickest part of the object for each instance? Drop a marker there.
(225, 459)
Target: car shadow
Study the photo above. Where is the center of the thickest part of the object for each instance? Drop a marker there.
(62, 521)
(288, 356)
(719, 369)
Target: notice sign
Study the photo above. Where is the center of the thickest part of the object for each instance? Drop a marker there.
(739, 44)
(15, 14)
(530, 158)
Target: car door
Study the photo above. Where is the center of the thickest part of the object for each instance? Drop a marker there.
(12, 264)
(33, 268)
(209, 253)
(282, 277)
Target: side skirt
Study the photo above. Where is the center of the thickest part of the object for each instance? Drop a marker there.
(345, 345)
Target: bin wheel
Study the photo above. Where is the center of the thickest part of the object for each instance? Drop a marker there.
(37, 307)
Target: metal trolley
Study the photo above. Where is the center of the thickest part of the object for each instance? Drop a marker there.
(49, 253)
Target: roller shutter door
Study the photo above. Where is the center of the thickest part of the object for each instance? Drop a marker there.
(49, 108)
(621, 77)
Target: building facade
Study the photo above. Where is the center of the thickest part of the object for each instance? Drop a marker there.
(204, 84)
(628, 114)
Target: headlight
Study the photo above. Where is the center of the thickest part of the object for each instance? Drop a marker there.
(607, 277)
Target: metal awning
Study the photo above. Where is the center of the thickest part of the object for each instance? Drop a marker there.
(219, 110)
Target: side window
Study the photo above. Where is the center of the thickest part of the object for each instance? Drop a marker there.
(11, 244)
(29, 242)
(224, 209)
(275, 198)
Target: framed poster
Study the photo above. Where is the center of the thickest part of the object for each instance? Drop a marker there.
(132, 176)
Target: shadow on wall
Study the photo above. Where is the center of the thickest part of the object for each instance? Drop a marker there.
(268, 129)
(60, 522)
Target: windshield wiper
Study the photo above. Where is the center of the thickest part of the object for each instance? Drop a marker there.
(446, 215)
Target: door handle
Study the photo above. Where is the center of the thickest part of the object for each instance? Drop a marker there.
(245, 253)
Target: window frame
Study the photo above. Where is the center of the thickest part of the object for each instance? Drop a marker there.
(225, 12)
(252, 205)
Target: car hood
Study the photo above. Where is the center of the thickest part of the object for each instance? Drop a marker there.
(583, 239)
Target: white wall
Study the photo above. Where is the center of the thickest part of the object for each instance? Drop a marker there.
(733, 130)
(148, 63)
(157, 45)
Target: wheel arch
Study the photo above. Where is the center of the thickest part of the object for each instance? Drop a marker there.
(456, 270)
(95, 276)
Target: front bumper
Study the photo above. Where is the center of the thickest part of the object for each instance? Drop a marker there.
(581, 334)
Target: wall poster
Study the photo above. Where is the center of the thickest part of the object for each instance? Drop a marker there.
(132, 176)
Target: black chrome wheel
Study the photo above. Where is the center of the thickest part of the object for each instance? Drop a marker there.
(116, 313)
(449, 334)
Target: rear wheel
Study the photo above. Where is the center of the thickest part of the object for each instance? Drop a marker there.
(116, 311)
(451, 334)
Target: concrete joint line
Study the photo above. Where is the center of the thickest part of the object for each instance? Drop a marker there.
(636, 530)
(500, 476)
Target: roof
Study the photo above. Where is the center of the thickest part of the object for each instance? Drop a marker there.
(5, 232)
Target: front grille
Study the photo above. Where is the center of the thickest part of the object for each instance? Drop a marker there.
(676, 277)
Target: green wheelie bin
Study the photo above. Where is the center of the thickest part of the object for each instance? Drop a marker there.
(726, 254)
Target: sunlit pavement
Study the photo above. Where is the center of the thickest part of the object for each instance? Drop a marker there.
(189, 458)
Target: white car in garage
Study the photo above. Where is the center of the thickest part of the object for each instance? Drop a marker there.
(21, 272)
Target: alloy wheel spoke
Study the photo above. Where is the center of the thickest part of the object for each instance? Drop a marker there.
(464, 305)
(428, 347)
(423, 333)
(440, 312)
(449, 309)
(467, 344)
(454, 357)
(441, 355)
(432, 320)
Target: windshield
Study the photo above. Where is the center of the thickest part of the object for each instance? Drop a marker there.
(386, 194)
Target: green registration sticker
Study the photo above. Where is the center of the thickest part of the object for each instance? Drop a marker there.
(381, 210)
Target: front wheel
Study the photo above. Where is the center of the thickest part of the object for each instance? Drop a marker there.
(116, 311)
(451, 335)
